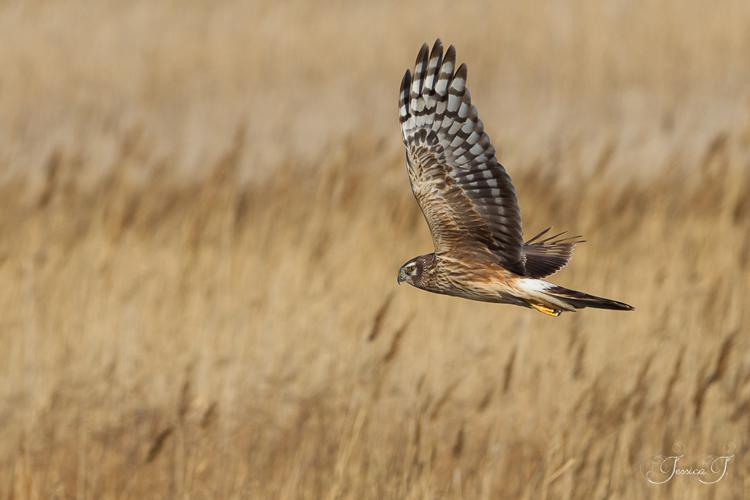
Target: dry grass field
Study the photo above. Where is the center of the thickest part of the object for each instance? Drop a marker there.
(203, 209)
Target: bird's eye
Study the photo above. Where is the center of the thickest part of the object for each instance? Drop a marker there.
(411, 269)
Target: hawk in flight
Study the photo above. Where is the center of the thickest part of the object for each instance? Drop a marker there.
(470, 204)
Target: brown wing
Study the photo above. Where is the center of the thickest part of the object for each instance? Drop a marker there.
(465, 194)
(543, 257)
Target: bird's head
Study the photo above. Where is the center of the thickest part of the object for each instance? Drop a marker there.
(411, 271)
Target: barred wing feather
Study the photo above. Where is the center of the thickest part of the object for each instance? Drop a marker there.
(465, 194)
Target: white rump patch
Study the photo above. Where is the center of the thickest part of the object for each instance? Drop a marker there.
(534, 285)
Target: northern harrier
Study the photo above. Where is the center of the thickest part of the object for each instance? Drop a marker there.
(470, 204)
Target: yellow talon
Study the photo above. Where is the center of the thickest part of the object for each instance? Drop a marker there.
(546, 310)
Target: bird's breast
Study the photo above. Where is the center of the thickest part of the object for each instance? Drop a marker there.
(476, 278)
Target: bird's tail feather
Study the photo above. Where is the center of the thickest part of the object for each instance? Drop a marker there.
(552, 299)
(580, 300)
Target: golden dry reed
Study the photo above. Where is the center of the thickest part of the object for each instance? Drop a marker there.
(203, 209)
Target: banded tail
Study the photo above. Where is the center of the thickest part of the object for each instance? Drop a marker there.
(553, 299)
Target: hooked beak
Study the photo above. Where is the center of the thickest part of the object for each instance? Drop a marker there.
(398, 279)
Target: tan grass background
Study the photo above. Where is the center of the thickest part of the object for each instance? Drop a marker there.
(203, 207)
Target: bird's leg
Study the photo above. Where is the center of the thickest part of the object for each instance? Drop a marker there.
(546, 310)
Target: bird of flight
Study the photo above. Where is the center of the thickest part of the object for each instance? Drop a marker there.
(470, 204)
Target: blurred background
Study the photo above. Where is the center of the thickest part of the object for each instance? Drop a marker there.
(204, 207)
